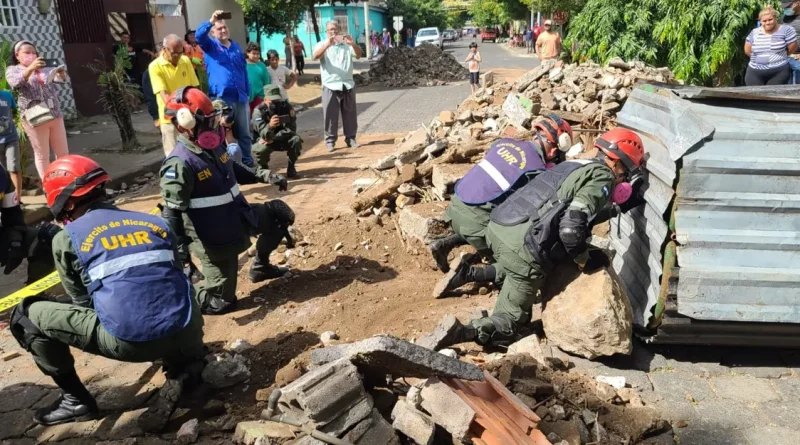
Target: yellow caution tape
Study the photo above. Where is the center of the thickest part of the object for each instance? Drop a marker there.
(40, 286)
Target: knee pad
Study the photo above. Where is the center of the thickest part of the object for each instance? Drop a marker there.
(22, 328)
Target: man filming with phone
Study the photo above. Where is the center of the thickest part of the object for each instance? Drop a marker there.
(275, 123)
(335, 55)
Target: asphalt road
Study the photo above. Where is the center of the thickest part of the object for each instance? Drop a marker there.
(402, 109)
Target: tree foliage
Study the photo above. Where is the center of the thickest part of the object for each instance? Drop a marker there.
(550, 6)
(118, 95)
(701, 41)
(497, 12)
(419, 13)
(272, 16)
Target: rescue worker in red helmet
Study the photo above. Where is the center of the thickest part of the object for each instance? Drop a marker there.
(130, 298)
(542, 223)
(19, 242)
(508, 165)
(205, 209)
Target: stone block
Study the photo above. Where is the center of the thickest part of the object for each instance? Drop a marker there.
(248, 432)
(465, 116)
(424, 222)
(226, 372)
(446, 408)
(383, 354)
(373, 430)
(324, 393)
(591, 317)
(447, 117)
(412, 422)
(445, 176)
(358, 412)
(411, 149)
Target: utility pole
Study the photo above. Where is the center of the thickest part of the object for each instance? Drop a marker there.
(366, 30)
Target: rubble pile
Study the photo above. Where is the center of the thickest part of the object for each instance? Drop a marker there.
(587, 93)
(423, 65)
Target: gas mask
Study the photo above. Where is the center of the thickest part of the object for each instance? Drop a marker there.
(210, 139)
(623, 191)
(206, 131)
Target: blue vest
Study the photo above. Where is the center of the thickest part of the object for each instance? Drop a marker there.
(216, 207)
(139, 291)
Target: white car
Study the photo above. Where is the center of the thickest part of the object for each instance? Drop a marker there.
(431, 36)
(449, 35)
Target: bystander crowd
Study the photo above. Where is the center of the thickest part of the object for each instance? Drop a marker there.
(257, 75)
(299, 55)
(529, 40)
(169, 73)
(548, 45)
(280, 75)
(769, 46)
(335, 55)
(227, 77)
(133, 72)
(192, 50)
(287, 48)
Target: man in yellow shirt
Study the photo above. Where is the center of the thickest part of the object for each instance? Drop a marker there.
(548, 45)
(169, 73)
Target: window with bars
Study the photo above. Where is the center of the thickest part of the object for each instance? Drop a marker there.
(9, 14)
(340, 15)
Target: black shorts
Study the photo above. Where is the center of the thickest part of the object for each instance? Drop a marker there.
(475, 78)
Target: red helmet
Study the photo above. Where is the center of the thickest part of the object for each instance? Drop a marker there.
(624, 145)
(71, 176)
(556, 130)
(190, 109)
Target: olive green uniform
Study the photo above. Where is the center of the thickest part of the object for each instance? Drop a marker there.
(587, 190)
(281, 138)
(220, 266)
(62, 325)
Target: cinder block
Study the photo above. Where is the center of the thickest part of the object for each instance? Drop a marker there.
(446, 408)
(373, 430)
(424, 222)
(412, 422)
(324, 393)
(384, 354)
(445, 176)
(350, 417)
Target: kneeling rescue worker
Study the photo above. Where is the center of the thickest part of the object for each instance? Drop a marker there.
(200, 185)
(508, 165)
(544, 222)
(18, 242)
(130, 298)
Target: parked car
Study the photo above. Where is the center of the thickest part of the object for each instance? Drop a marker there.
(489, 34)
(449, 35)
(431, 36)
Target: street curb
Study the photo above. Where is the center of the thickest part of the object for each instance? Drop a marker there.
(310, 103)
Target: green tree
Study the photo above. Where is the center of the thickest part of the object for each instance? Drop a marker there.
(419, 13)
(550, 6)
(118, 95)
(497, 12)
(272, 16)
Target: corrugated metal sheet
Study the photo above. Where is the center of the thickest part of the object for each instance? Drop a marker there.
(737, 211)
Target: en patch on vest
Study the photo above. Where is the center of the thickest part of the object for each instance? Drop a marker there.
(202, 175)
(114, 242)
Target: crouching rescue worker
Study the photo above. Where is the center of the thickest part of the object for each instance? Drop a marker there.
(275, 123)
(131, 300)
(19, 242)
(508, 165)
(205, 209)
(544, 222)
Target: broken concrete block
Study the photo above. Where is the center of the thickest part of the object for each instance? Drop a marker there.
(617, 62)
(591, 317)
(324, 393)
(226, 372)
(445, 176)
(424, 221)
(407, 172)
(415, 143)
(412, 422)
(446, 408)
(248, 432)
(388, 355)
(372, 430)
(385, 163)
(465, 116)
(431, 151)
(520, 109)
(358, 412)
(447, 117)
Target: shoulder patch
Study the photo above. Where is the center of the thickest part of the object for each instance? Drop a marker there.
(605, 190)
(171, 174)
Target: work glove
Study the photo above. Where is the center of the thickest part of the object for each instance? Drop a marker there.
(189, 269)
(279, 181)
(597, 260)
(15, 246)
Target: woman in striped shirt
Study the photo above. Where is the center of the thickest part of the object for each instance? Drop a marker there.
(768, 47)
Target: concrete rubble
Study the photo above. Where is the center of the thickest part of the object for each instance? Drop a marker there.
(226, 371)
(423, 65)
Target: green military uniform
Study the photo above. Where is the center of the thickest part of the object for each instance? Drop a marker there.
(281, 138)
(220, 266)
(587, 189)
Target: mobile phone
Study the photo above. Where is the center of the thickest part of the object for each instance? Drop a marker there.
(225, 16)
(338, 39)
(285, 119)
(51, 63)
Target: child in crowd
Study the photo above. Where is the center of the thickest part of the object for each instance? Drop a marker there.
(280, 75)
(257, 75)
(474, 64)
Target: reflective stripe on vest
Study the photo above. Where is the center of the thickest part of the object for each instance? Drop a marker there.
(215, 201)
(119, 264)
(495, 174)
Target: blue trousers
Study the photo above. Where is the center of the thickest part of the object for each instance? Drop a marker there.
(795, 66)
(241, 123)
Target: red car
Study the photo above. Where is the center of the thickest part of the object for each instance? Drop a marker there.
(489, 34)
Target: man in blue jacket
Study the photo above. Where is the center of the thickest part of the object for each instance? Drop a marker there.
(227, 76)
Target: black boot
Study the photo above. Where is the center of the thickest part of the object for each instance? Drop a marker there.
(463, 273)
(441, 248)
(291, 171)
(449, 332)
(155, 418)
(75, 404)
(216, 306)
(263, 270)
